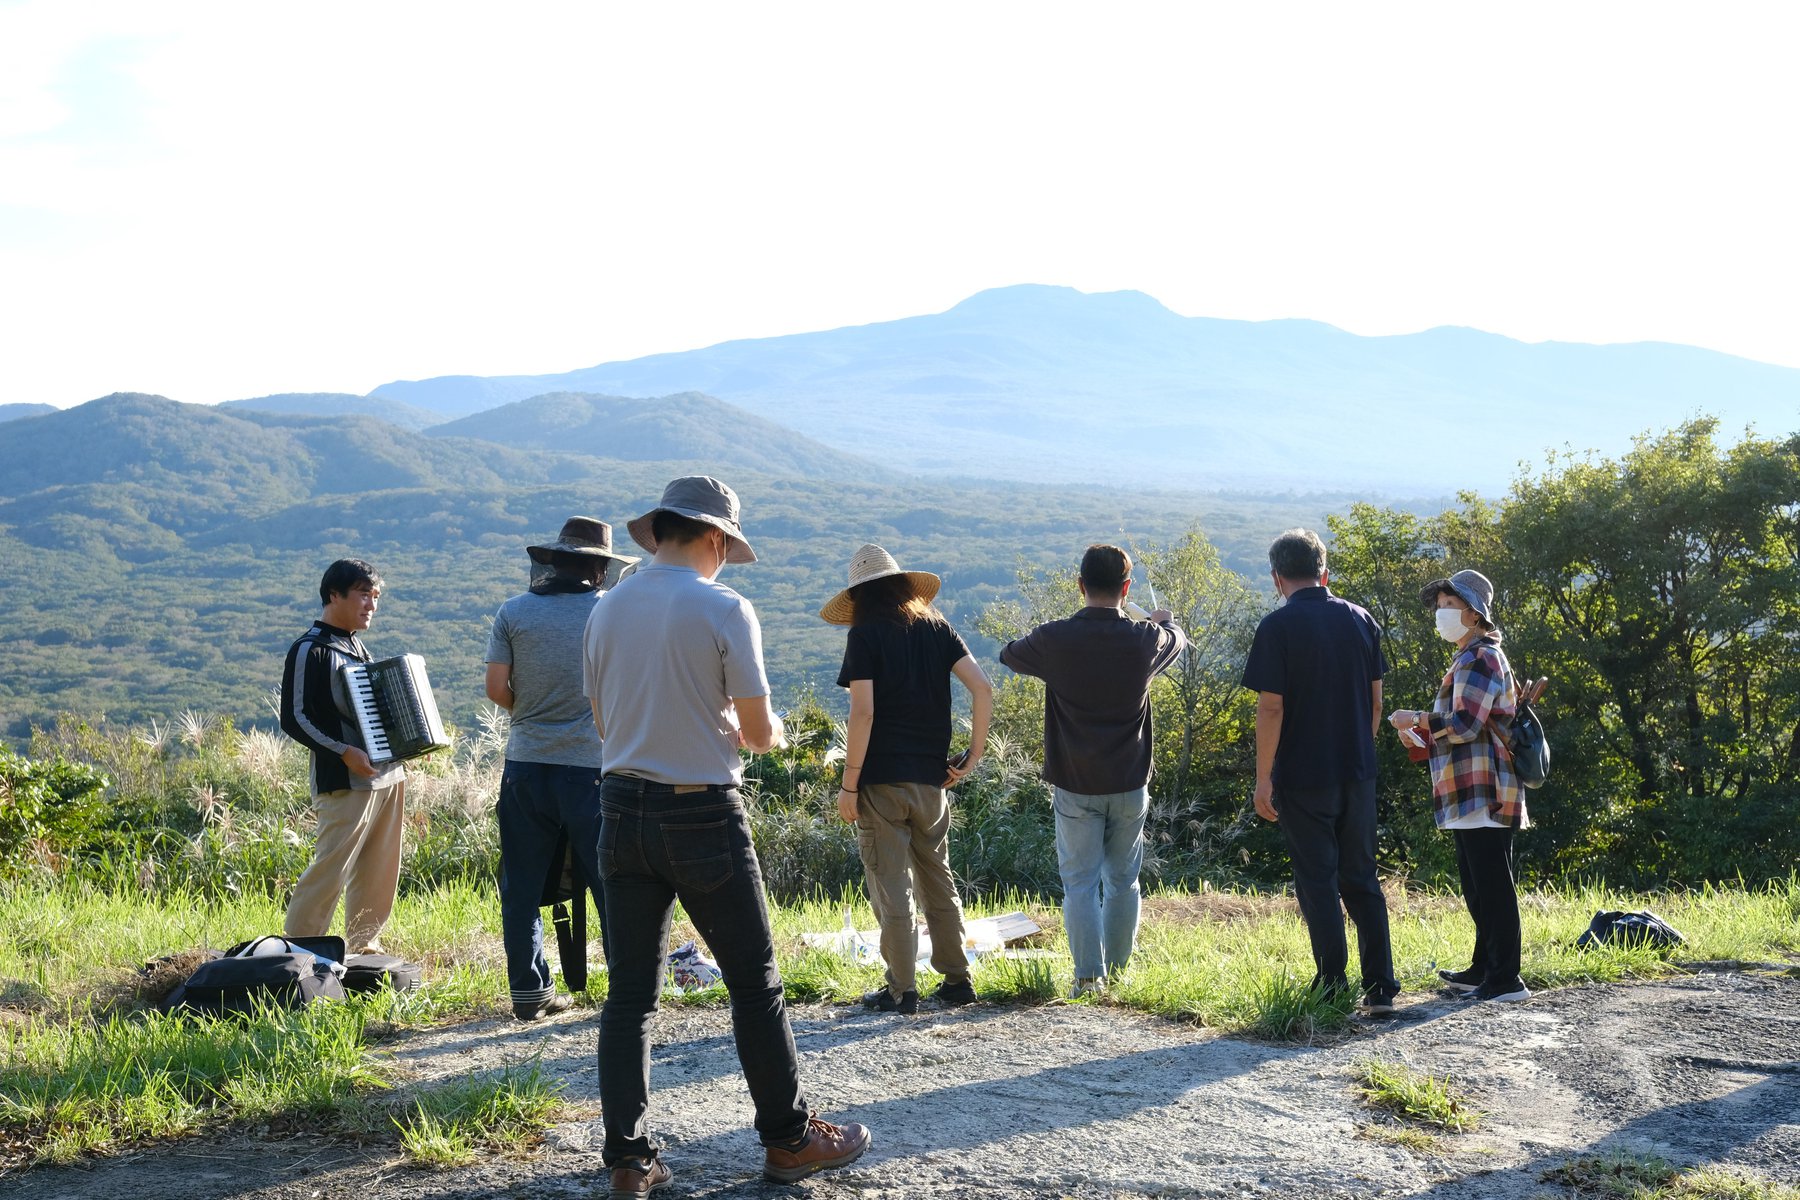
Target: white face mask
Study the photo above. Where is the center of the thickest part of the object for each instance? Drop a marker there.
(1450, 625)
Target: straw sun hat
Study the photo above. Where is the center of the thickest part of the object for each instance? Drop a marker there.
(872, 562)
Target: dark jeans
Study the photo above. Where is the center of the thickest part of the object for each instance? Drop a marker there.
(540, 803)
(1484, 860)
(657, 847)
(1331, 836)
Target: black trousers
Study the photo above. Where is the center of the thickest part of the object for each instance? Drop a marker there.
(1484, 860)
(1331, 837)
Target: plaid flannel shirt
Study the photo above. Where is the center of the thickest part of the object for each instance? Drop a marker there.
(1469, 720)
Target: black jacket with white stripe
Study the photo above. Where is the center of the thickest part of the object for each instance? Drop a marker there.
(309, 708)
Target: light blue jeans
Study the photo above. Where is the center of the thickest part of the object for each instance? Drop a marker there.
(1100, 846)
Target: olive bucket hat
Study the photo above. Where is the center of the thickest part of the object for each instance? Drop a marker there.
(580, 535)
(700, 498)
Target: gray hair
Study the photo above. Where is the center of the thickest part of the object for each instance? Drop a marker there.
(1297, 554)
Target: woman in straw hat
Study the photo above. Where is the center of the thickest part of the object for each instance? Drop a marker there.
(898, 660)
(1476, 793)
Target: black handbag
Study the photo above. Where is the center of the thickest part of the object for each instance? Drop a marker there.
(293, 978)
(1610, 927)
(373, 972)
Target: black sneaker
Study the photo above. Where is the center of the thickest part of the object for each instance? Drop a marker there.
(547, 1007)
(882, 1000)
(956, 994)
(1463, 981)
(1379, 1001)
(1501, 992)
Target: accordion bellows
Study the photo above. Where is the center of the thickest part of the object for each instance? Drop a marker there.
(394, 708)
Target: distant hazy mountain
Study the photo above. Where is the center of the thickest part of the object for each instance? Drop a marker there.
(1048, 383)
(688, 426)
(12, 412)
(339, 404)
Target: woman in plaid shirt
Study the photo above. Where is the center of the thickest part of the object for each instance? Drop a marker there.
(1475, 793)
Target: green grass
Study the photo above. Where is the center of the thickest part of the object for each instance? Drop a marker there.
(1394, 1087)
(1623, 1176)
(1242, 971)
(449, 1126)
(83, 1068)
(1003, 980)
(70, 1083)
(72, 941)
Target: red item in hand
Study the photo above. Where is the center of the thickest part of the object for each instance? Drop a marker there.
(1417, 748)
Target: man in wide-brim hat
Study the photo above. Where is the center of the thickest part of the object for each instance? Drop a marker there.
(550, 788)
(674, 669)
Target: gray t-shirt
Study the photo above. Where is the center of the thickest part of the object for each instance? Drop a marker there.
(666, 653)
(540, 638)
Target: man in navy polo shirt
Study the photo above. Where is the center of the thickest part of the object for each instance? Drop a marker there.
(1316, 666)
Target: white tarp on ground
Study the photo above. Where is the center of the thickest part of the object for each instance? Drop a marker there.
(983, 935)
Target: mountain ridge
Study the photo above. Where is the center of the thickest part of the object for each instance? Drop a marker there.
(1039, 381)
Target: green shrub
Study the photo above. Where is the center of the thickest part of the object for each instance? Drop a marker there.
(48, 808)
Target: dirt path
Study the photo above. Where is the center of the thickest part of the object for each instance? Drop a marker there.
(1091, 1102)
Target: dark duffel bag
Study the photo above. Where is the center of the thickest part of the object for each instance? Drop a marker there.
(1630, 929)
(242, 985)
(372, 972)
(325, 945)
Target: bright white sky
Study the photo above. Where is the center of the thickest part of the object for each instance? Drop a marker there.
(220, 200)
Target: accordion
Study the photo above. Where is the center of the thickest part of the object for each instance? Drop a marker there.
(394, 708)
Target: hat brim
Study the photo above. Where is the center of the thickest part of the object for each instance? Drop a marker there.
(737, 550)
(541, 554)
(841, 608)
(1472, 600)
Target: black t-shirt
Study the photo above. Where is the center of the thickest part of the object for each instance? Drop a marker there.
(910, 668)
(1320, 654)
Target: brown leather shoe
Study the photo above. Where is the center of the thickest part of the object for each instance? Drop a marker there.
(823, 1147)
(638, 1177)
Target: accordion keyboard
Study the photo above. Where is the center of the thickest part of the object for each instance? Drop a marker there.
(394, 708)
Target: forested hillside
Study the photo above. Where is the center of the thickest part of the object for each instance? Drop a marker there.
(156, 556)
(689, 426)
(339, 404)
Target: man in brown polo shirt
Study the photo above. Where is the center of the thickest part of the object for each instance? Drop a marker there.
(1097, 666)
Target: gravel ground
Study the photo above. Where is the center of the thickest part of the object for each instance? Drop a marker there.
(1003, 1102)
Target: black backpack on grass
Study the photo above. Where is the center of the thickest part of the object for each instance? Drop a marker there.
(1613, 928)
(293, 978)
(373, 972)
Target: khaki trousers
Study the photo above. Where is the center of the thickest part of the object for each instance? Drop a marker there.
(903, 834)
(357, 856)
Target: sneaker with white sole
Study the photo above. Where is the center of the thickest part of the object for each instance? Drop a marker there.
(1501, 992)
(1466, 980)
(1379, 1001)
